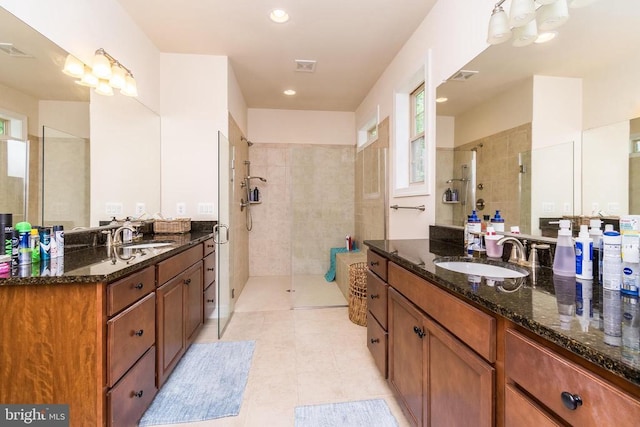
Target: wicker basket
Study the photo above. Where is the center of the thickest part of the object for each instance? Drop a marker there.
(358, 293)
(174, 226)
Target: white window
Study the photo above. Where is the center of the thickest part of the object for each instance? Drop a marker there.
(368, 132)
(412, 135)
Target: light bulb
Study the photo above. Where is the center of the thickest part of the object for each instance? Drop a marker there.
(521, 12)
(104, 88)
(130, 88)
(101, 66)
(117, 79)
(499, 31)
(73, 66)
(88, 79)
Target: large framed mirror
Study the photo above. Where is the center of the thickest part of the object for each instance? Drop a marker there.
(110, 145)
(563, 93)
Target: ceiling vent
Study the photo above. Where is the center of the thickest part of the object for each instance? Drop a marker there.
(462, 75)
(11, 50)
(305, 66)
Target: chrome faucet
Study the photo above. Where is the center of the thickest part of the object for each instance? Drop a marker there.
(117, 235)
(521, 256)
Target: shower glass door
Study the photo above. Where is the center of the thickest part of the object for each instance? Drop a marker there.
(224, 270)
(14, 157)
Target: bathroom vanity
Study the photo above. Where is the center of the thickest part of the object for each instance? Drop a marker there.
(103, 335)
(462, 350)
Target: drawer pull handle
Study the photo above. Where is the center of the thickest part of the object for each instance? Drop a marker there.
(211, 301)
(139, 333)
(571, 401)
(375, 340)
(211, 246)
(374, 296)
(187, 281)
(139, 286)
(418, 331)
(137, 393)
(374, 263)
(210, 269)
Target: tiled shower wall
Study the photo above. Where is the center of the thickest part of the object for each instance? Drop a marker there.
(506, 186)
(306, 208)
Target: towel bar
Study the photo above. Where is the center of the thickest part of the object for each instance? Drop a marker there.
(396, 207)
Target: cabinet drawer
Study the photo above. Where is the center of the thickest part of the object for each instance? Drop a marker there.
(377, 264)
(546, 375)
(377, 298)
(127, 401)
(209, 301)
(377, 343)
(209, 246)
(129, 335)
(173, 266)
(472, 326)
(209, 269)
(126, 291)
(522, 412)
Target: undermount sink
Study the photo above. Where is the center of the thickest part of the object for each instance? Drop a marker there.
(479, 268)
(147, 245)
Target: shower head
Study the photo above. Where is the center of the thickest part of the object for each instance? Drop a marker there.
(257, 177)
(456, 179)
(249, 143)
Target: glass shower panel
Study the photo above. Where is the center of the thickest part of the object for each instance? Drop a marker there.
(65, 179)
(224, 269)
(13, 178)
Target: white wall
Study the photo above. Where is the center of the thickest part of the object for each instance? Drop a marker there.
(236, 103)
(194, 108)
(70, 117)
(301, 127)
(455, 38)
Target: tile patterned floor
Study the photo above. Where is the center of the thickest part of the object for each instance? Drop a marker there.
(302, 357)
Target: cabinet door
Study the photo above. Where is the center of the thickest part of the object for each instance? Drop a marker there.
(459, 384)
(193, 290)
(406, 332)
(170, 318)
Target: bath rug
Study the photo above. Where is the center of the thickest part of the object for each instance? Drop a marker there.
(361, 413)
(207, 383)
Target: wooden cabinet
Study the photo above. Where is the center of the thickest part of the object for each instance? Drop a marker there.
(209, 278)
(179, 312)
(537, 377)
(377, 337)
(439, 378)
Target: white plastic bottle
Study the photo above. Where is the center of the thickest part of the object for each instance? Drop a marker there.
(595, 232)
(564, 262)
(630, 264)
(611, 260)
(584, 254)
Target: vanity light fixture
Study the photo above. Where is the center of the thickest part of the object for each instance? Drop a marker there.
(289, 92)
(279, 16)
(529, 20)
(106, 74)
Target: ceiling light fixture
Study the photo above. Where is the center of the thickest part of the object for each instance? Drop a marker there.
(106, 74)
(289, 92)
(279, 16)
(529, 20)
(442, 99)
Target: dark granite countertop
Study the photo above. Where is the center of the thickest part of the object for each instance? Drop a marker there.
(98, 264)
(534, 306)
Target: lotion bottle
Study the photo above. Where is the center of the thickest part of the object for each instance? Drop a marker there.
(564, 262)
(584, 254)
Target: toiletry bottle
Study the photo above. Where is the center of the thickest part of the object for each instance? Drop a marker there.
(57, 233)
(485, 222)
(448, 195)
(497, 222)
(45, 243)
(24, 243)
(594, 232)
(127, 235)
(6, 231)
(475, 224)
(35, 245)
(611, 260)
(564, 262)
(454, 195)
(630, 264)
(256, 195)
(584, 254)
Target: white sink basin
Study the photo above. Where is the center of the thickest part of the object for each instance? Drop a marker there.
(481, 269)
(147, 245)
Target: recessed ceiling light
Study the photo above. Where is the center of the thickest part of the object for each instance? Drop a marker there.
(279, 16)
(442, 99)
(289, 92)
(545, 37)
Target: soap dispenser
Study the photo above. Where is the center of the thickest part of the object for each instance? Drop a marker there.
(564, 261)
(584, 254)
(497, 222)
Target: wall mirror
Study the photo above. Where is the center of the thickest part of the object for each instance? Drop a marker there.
(119, 162)
(572, 93)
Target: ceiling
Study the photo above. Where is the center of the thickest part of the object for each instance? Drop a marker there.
(353, 41)
(594, 37)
